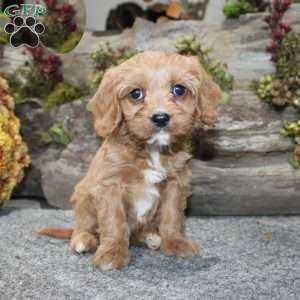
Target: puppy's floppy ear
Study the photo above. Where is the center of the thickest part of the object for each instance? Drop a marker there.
(105, 105)
(209, 96)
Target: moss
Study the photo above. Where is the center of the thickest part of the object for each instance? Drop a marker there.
(57, 135)
(71, 42)
(13, 151)
(237, 8)
(4, 37)
(62, 93)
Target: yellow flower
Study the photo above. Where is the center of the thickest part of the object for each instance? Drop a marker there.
(13, 151)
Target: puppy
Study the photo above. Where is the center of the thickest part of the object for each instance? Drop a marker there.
(136, 187)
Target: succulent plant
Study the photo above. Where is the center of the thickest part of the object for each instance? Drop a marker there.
(61, 31)
(57, 135)
(292, 130)
(283, 87)
(190, 45)
(264, 87)
(13, 151)
(42, 77)
(277, 26)
(288, 62)
(62, 93)
(236, 8)
(106, 57)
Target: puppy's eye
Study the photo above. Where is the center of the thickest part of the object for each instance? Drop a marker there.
(178, 90)
(137, 94)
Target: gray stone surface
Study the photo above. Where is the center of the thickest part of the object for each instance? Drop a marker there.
(214, 12)
(242, 259)
(59, 175)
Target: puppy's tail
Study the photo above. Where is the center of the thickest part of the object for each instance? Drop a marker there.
(59, 233)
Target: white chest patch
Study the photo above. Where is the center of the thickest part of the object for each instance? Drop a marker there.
(155, 174)
(161, 138)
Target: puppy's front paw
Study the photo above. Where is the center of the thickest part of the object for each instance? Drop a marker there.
(83, 242)
(113, 257)
(179, 246)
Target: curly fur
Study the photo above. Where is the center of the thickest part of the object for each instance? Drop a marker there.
(136, 187)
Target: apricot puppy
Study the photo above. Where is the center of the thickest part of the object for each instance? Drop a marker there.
(136, 187)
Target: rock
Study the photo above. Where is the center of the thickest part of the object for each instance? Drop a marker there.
(60, 175)
(253, 186)
(214, 12)
(240, 167)
(23, 204)
(248, 125)
(34, 121)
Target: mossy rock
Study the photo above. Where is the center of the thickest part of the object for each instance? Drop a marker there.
(62, 93)
(71, 42)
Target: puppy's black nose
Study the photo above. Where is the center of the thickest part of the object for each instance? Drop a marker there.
(160, 119)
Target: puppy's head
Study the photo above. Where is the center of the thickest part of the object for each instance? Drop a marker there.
(158, 96)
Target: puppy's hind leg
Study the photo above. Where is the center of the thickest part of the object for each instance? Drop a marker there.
(84, 237)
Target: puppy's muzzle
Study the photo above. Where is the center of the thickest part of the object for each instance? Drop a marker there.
(160, 120)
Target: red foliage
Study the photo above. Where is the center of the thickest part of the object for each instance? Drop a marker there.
(48, 64)
(277, 27)
(61, 13)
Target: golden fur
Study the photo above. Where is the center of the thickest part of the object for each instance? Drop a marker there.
(135, 190)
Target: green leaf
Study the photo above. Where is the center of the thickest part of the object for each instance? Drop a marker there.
(57, 135)
(294, 163)
(225, 98)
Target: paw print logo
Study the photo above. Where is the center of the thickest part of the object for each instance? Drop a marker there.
(24, 31)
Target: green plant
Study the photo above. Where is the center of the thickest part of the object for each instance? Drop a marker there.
(41, 77)
(61, 31)
(277, 27)
(283, 87)
(4, 37)
(72, 41)
(292, 130)
(190, 45)
(57, 135)
(236, 8)
(62, 93)
(106, 57)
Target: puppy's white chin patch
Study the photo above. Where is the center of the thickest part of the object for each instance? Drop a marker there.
(161, 138)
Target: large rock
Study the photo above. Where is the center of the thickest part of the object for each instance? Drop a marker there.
(240, 167)
(60, 175)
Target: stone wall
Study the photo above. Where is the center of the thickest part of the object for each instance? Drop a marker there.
(240, 167)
